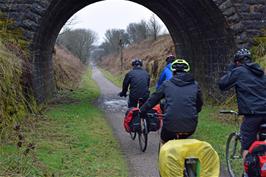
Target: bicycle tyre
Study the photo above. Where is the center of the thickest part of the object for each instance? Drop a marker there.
(143, 135)
(234, 155)
(189, 172)
(133, 135)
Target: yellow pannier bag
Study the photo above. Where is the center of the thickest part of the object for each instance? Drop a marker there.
(173, 154)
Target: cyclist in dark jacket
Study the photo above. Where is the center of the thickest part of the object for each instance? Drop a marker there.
(250, 84)
(167, 72)
(183, 102)
(139, 81)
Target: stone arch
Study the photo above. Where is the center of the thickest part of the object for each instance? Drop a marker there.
(206, 32)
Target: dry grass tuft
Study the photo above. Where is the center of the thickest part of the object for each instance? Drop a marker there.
(13, 105)
(68, 69)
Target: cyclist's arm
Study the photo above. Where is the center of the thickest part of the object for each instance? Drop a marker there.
(228, 80)
(161, 79)
(126, 83)
(153, 100)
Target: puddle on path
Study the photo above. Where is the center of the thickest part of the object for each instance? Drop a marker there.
(115, 105)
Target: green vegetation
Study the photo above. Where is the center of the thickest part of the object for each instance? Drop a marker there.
(259, 50)
(13, 103)
(115, 79)
(16, 100)
(11, 35)
(72, 139)
(215, 129)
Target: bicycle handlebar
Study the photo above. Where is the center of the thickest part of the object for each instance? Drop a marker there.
(229, 112)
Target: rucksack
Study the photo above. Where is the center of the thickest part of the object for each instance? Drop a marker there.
(132, 120)
(255, 161)
(155, 122)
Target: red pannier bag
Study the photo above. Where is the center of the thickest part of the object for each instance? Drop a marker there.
(155, 122)
(255, 161)
(132, 120)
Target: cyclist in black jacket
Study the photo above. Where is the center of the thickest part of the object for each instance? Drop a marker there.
(183, 102)
(249, 81)
(139, 81)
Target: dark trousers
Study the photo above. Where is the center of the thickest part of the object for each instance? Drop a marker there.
(250, 128)
(133, 102)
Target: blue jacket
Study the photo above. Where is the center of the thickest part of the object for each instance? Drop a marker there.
(250, 85)
(165, 75)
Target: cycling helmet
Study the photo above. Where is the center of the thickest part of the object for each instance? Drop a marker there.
(180, 65)
(170, 59)
(136, 62)
(242, 55)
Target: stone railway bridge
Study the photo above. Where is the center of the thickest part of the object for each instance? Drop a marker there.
(206, 32)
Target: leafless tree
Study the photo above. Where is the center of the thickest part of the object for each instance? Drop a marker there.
(79, 42)
(154, 27)
(113, 39)
(137, 31)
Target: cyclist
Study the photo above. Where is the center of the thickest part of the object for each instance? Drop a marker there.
(250, 84)
(183, 102)
(166, 73)
(139, 80)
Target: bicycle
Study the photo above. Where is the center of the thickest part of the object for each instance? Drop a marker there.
(142, 130)
(143, 133)
(233, 152)
(191, 164)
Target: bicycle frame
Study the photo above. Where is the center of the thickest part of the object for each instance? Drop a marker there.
(233, 148)
(192, 167)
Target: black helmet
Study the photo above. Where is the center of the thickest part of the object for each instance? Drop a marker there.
(242, 55)
(136, 62)
(180, 65)
(170, 59)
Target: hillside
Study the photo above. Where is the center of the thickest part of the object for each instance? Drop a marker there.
(153, 55)
(68, 69)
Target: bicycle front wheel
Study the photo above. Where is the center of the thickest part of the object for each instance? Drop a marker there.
(143, 135)
(234, 155)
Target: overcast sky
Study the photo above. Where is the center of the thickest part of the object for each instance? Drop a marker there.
(110, 14)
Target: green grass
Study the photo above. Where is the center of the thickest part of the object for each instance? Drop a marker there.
(71, 140)
(215, 129)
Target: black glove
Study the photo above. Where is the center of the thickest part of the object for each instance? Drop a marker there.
(142, 114)
(121, 94)
(231, 66)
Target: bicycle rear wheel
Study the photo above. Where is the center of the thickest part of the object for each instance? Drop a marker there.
(234, 155)
(133, 135)
(143, 135)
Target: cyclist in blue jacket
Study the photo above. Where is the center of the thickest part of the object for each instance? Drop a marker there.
(166, 73)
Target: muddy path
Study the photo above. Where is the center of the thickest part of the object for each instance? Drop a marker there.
(140, 164)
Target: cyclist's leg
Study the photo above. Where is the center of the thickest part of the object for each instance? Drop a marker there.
(249, 129)
(132, 102)
(167, 135)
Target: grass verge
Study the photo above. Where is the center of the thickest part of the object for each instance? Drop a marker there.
(215, 129)
(115, 79)
(72, 139)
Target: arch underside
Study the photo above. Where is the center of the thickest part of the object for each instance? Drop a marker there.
(198, 28)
